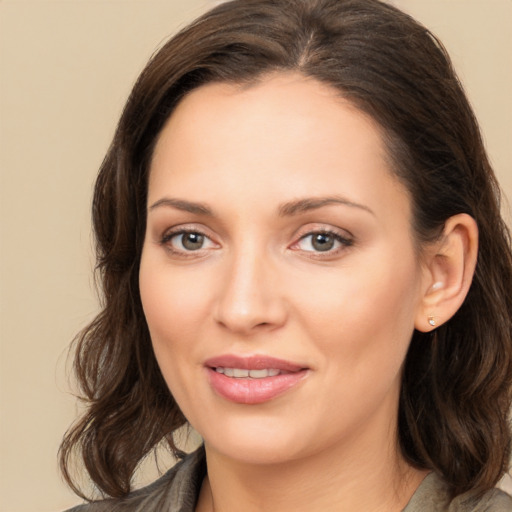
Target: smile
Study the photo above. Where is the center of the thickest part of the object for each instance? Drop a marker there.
(253, 380)
(242, 373)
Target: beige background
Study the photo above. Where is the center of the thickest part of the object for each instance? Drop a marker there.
(66, 68)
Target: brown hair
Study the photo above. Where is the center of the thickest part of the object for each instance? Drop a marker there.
(456, 390)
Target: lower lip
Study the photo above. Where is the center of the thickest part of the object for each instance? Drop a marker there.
(253, 391)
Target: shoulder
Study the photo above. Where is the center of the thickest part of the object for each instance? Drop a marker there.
(494, 500)
(175, 490)
(433, 496)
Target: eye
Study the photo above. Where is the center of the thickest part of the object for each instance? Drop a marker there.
(187, 241)
(322, 242)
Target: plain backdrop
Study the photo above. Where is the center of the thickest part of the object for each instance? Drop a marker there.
(66, 67)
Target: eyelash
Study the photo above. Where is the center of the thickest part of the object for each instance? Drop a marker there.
(184, 253)
(343, 241)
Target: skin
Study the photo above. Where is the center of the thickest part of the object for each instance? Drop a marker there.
(258, 285)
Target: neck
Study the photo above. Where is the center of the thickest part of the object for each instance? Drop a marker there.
(375, 480)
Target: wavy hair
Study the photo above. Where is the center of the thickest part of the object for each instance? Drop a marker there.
(457, 380)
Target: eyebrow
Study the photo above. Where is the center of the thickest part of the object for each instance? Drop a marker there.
(181, 204)
(287, 209)
(312, 203)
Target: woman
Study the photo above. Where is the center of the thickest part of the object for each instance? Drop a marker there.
(302, 255)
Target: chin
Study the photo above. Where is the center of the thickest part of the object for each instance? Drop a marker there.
(256, 442)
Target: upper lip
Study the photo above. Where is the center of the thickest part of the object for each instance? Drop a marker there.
(253, 362)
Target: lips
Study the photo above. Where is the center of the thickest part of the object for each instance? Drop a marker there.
(254, 379)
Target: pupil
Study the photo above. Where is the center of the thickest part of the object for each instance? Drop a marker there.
(192, 241)
(323, 242)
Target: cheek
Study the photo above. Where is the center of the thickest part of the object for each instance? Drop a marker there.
(174, 303)
(171, 298)
(362, 313)
(361, 326)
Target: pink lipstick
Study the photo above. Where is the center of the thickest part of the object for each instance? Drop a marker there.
(254, 379)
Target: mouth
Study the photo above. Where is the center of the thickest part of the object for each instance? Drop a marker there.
(254, 379)
(241, 373)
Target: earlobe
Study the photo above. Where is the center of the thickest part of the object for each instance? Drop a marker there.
(449, 268)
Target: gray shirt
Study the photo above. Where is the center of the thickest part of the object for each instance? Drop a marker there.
(178, 490)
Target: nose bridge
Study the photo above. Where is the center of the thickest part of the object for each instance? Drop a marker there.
(249, 298)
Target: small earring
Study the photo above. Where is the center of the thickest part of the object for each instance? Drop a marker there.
(431, 321)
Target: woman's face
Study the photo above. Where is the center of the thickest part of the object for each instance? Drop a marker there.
(279, 277)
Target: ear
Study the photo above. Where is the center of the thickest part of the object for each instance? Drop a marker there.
(449, 265)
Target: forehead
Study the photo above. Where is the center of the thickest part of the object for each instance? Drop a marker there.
(281, 109)
(286, 136)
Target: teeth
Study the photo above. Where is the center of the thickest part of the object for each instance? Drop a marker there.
(259, 374)
(239, 373)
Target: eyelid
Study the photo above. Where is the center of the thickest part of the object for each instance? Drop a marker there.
(316, 227)
(343, 237)
(182, 229)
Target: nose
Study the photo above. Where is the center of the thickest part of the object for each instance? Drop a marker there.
(249, 300)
